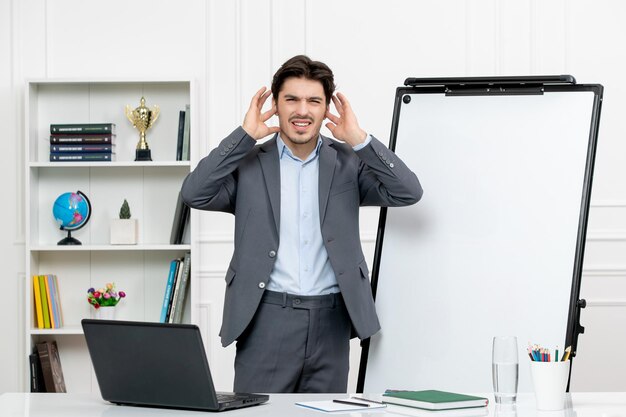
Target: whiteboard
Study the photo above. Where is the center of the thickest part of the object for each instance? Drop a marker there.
(491, 247)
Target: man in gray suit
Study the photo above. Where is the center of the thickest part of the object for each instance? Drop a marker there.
(297, 286)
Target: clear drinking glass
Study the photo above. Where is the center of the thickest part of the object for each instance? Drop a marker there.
(505, 369)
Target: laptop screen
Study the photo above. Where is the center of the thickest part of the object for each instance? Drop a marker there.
(154, 364)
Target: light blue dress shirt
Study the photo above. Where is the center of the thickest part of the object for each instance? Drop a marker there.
(302, 266)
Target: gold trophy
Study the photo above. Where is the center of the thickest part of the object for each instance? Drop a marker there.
(142, 119)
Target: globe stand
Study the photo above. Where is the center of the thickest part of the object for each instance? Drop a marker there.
(70, 216)
(69, 240)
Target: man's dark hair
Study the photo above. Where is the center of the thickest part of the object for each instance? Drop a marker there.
(301, 66)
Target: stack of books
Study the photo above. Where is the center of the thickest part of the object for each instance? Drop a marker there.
(435, 403)
(46, 373)
(84, 142)
(176, 290)
(47, 302)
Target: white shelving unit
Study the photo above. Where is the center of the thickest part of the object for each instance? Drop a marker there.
(151, 189)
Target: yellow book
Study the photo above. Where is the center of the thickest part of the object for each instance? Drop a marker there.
(53, 324)
(37, 296)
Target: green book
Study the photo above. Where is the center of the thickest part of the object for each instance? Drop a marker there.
(433, 399)
(82, 128)
(44, 302)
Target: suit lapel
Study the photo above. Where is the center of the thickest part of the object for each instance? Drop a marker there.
(271, 173)
(328, 157)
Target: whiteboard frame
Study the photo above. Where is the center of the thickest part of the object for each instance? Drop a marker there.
(494, 86)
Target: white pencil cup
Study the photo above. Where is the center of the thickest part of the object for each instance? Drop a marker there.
(550, 383)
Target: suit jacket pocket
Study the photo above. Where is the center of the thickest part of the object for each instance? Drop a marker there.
(230, 274)
(365, 273)
(342, 188)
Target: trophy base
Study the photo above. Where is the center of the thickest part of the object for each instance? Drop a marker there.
(143, 155)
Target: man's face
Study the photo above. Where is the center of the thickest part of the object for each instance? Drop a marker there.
(301, 110)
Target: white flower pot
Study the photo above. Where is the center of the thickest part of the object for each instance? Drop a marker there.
(105, 313)
(124, 231)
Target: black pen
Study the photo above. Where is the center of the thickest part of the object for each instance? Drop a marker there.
(351, 403)
(367, 399)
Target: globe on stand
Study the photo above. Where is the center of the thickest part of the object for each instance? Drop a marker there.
(71, 211)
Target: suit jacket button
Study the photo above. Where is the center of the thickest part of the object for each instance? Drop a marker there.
(261, 285)
(272, 253)
(391, 165)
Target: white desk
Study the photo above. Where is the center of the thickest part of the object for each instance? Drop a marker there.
(282, 405)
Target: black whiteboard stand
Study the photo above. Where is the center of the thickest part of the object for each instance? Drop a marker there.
(497, 135)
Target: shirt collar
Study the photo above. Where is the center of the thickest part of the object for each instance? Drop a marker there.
(283, 150)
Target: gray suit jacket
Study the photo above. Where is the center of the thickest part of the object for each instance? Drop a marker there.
(241, 178)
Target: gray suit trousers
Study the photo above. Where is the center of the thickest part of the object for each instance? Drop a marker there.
(295, 344)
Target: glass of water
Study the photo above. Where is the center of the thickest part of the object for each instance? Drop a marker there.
(505, 369)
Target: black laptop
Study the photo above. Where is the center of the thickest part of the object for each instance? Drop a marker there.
(156, 365)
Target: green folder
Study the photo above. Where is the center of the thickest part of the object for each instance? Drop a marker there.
(433, 399)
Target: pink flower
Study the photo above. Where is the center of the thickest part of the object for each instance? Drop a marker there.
(107, 295)
(96, 294)
(122, 294)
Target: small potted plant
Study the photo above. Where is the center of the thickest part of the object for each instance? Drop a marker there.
(104, 300)
(124, 230)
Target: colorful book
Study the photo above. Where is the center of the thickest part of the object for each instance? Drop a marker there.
(81, 138)
(44, 301)
(168, 291)
(433, 399)
(46, 281)
(54, 301)
(58, 299)
(82, 128)
(37, 297)
(87, 157)
(85, 148)
(181, 294)
(175, 290)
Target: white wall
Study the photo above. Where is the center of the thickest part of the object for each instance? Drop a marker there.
(232, 47)
(12, 236)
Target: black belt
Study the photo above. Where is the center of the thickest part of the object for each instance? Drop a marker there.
(302, 301)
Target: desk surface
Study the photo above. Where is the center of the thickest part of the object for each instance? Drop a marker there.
(595, 404)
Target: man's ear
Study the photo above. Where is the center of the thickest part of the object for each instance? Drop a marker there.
(274, 104)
